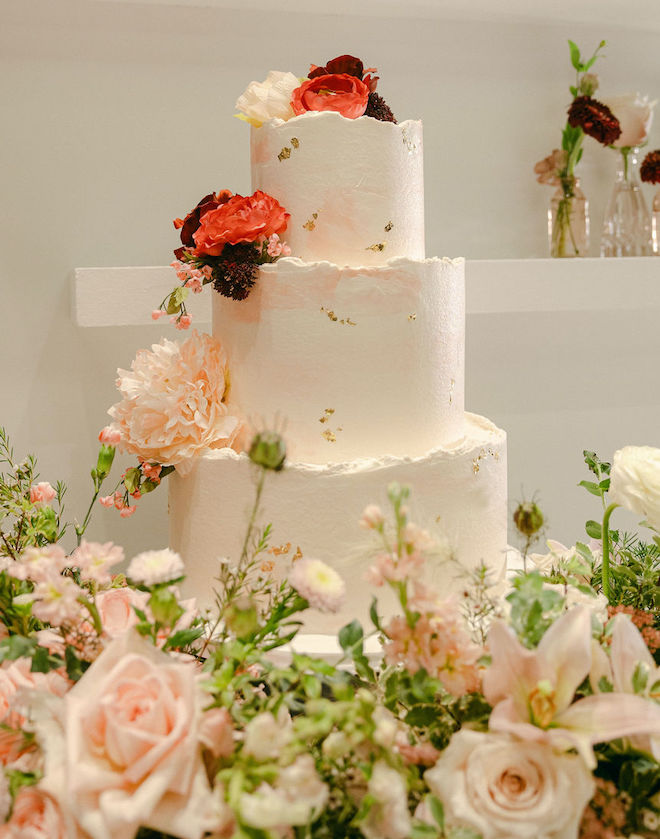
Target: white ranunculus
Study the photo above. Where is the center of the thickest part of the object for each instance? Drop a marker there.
(635, 115)
(635, 481)
(270, 99)
(510, 789)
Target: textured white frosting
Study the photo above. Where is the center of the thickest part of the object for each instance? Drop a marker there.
(461, 490)
(354, 187)
(358, 362)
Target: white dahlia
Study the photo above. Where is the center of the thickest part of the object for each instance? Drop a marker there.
(319, 584)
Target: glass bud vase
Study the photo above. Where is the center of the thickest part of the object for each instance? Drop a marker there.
(568, 220)
(627, 223)
(655, 224)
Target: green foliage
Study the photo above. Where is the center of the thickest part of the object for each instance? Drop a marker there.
(534, 608)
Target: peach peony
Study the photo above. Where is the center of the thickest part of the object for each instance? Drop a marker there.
(339, 92)
(174, 403)
(123, 749)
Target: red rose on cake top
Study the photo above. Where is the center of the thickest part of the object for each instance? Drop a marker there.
(241, 219)
(339, 92)
(349, 65)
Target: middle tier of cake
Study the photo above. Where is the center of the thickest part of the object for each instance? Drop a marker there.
(352, 362)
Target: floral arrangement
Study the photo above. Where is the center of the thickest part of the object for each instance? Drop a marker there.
(127, 713)
(586, 116)
(224, 239)
(342, 85)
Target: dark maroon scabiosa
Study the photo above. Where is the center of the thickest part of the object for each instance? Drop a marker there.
(378, 108)
(595, 119)
(348, 64)
(649, 171)
(236, 271)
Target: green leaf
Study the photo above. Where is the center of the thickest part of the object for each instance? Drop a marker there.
(604, 685)
(363, 668)
(183, 638)
(594, 529)
(437, 810)
(311, 685)
(350, 637)
(640, 677)
(132, 478)
(75, 668)
(574, 91)
(420, 830)
(373, 614)
(16, 646)
(421, 716)
(575, 55)
(591, 487)
(43, 662)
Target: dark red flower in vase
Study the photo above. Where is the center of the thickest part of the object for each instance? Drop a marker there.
(595, 119)
(649, 171)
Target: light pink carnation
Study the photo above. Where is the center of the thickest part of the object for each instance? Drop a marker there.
(95, 560)
(174, 402)
(42, 493)
(35, 816)
(153, 567)
(109, 436)
(319, 584)
(55, 600)
(39, 564)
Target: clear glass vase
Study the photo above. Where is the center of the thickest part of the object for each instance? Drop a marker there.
(627, 229)
(655, 224)
(568, 220)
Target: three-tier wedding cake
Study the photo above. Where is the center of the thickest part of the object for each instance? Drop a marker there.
(354, 345)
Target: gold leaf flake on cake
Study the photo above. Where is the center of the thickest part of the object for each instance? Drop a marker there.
(348, 322)
(331, 315)
(452, 385)
(379, 246)
(297, 555)
(295, 142)
(412, 316)
(285, 154)
(330, 436)
(388, 226)
(310, 224)
(475, 465)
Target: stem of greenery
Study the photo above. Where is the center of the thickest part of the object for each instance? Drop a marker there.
(94, 614)
(607, 591)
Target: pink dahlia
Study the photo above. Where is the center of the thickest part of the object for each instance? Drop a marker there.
(174, 402)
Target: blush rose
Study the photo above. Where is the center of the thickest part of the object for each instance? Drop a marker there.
(127, 750)
(340, 92)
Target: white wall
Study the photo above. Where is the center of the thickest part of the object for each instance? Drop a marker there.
(116, 117)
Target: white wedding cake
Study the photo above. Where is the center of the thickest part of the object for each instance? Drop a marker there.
(354, 346)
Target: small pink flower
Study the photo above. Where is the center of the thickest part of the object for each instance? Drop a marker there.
(55, 601)
(207, 271)
(116, 609)
(126, 512)
(39, 564)
(118, 499)
(319, 584)
(107, 500)
(181, 321)
(136, 494)
(42, 493)
(157, 313)
(286, 250)
(194, 285)
(151, 471)
(274, 246)
(420, 754)
(372, 517)
(110, 436)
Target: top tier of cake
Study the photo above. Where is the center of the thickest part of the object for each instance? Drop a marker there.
(354, 187)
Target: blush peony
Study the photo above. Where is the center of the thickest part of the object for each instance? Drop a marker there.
(270, 99)
(339, 92)
(174, 403)
(241, 219)
(506, 789)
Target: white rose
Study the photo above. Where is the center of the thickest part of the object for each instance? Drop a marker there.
(270, 99)
(388, 816)
(635, 114)
(510, 789)
(635, 481)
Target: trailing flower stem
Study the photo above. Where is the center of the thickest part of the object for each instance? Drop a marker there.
(607, 591)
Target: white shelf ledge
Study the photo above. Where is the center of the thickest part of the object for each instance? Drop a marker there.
(127, 296)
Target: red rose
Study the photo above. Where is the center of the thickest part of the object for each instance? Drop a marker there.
(189, 225)
(240, 219)
(339, 92)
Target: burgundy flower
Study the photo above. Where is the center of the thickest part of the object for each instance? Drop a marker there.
(346, 65)
(650, 168)
(595, 119)
(189, 225)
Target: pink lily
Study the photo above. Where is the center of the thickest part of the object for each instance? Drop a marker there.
(629, 658)
(532, 691)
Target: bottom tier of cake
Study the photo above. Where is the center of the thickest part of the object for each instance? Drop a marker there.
(459, 493)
